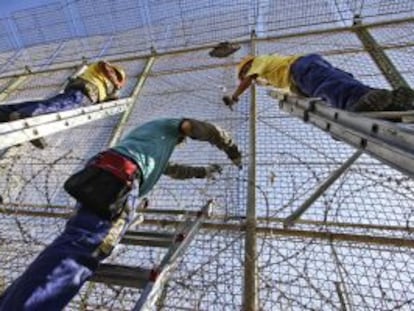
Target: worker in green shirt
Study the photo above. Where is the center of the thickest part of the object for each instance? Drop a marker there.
(107, 192)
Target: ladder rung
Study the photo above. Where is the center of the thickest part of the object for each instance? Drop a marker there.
(167, 211)
(154, 239)
(154, 289)
(122, 275)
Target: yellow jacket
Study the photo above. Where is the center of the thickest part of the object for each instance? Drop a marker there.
(95, 75)
(275, 69)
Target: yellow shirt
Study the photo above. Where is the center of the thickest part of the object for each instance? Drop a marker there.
(275, 69)
(95, 75)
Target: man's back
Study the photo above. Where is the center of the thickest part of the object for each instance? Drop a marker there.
(150, 145)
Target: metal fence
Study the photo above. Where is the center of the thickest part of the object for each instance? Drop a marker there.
(351, 250)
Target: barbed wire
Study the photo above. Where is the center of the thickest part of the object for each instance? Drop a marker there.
(294, 272)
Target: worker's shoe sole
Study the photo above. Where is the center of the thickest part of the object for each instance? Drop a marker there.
(400, 99)
(374, 100)
(39, 143)
(4, 117)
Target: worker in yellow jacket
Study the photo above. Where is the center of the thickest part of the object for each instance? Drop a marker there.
(99, 82)
(312, 76)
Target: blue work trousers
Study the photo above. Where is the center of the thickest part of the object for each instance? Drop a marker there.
(315, 77)
(61, 269)
(68, 100)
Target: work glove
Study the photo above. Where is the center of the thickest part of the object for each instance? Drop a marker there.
(234, 155)
(229, 101)
(212, 170)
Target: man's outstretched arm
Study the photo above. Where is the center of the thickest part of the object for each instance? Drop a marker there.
(179, 171)
(215, 135)
(243, 86)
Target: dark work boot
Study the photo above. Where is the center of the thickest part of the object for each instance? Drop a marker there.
(374, 100)
(4, 117)
(38, 142)
(402, 99)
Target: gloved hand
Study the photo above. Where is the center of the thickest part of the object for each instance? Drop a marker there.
(211, 170)
(229, 101)
(234, 155)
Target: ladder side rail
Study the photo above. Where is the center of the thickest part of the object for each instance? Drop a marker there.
(16, 132)
(386, 142)
(163, 272)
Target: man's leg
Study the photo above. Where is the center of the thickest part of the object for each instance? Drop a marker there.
(400, 99)
(58, 273)
(316, 77)
(71, 99)
(68, 100)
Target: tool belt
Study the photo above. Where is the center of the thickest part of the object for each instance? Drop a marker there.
(120, 166)
(104, 183)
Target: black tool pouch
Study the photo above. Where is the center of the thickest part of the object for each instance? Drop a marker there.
(98, 190)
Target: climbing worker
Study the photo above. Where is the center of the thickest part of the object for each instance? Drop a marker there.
(312, 76)
(106, 191)
(99, 82)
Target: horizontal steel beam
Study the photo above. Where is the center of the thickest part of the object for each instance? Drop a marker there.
(119, 57)
(134, 277)
(150, 239)
(15, 210)
(264, 231)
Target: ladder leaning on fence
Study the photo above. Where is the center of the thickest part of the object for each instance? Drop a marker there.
(389, 142)
(20, 131)
(152, 280)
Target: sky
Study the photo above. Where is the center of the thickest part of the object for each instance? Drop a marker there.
(9, 6)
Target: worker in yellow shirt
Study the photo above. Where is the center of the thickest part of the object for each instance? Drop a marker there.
(312, 76)
(99, 82)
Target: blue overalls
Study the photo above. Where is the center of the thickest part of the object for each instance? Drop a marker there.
(315, 77)
(70, 99)
(60, 270)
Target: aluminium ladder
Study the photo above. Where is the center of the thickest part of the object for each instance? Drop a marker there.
(152, 280)
(24, 130)
(389, 142)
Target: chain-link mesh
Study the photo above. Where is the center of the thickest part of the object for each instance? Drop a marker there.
(351, 250)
